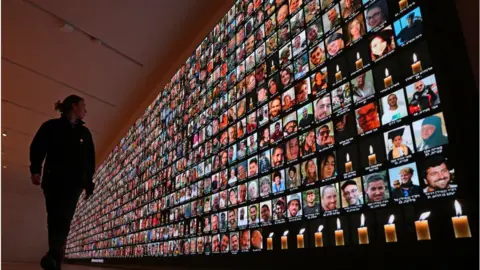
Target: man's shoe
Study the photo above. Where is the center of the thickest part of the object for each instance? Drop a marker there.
(48, 263)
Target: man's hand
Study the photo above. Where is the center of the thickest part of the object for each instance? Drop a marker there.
(36, 179)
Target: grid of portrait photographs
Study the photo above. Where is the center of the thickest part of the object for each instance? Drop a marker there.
(288, 110)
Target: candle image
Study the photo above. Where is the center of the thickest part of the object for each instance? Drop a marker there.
(339, 240)
(359, 62)
(319, 237)
(417, 65)
(272, 68)
(338, 75)
(422, 228)
(270, 242)
(300, 239)
(284, 240)
(348, 164)
(388, 79)
(372, 158)
(403, 4)
(362, 232)
(460, 223)
(390, 230)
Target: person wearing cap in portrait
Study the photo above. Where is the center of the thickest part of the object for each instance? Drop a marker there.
(398, 149)
(290, 127)
(312, 206)
(414, 28)
(285, 56)
(431, 133)
(294, 206)
(362, 88)
(324, 139)
(335, 43)
(407, 188)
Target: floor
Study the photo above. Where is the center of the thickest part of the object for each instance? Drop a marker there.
(34, 266)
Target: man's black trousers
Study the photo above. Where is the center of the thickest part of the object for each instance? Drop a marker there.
(61, 204)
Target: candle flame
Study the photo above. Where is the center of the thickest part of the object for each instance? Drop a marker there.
(371, 150)
(302, 231)
(285, 233)
(414, 58)
(358, 56)
(391, 219)
(320, 228)
(270, 235)
(458, 208)
(348, 158)
(362, 220)
(338, 69)
(424, 215)
(338, 224)
(386, 73)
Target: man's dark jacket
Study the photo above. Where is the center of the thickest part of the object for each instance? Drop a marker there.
(69, 152)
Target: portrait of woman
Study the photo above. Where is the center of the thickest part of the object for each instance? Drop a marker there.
(253, 190)
(356, 29)
(381, 43)
(309, 171)
(327, 166)
(265, 139)
(288, 99)
(319, 81)
(292, 149)
(232, 115)
(308, 143)
(265, 186)
(241, 128)
(272, 86)
(233, 176)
